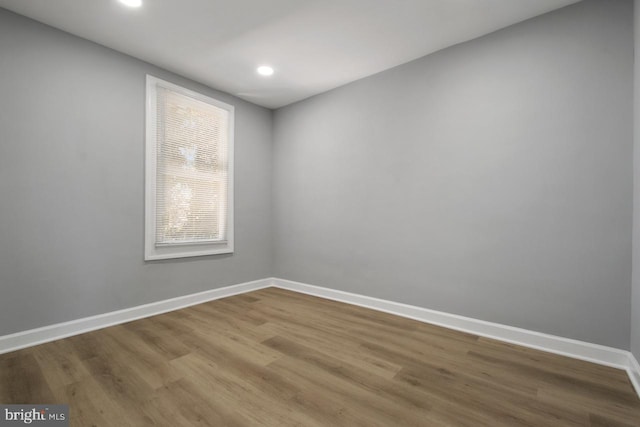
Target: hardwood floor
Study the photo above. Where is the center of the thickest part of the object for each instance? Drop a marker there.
(279, 358)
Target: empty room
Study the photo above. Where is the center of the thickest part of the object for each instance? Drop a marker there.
(320, 213)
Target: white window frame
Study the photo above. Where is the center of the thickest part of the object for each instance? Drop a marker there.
(179, 250)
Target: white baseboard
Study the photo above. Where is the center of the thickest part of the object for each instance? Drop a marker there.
(595, 353)
(57, 331)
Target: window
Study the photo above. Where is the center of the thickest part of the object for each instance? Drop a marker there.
(189, 173)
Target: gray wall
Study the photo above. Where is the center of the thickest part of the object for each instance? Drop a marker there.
(71, 183)
(492, 179)
(635, 300)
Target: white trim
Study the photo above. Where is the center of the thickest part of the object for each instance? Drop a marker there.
(57, 331)
(151, 251)
(594, 353)
(589, 352)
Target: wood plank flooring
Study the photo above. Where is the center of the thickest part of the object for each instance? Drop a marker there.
(279, 358)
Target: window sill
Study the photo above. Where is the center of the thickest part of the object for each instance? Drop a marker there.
(184, 251)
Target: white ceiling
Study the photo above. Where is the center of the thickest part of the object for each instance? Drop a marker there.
(314, 45)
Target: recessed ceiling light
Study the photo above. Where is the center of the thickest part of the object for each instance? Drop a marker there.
(265, 70)
(131, 3)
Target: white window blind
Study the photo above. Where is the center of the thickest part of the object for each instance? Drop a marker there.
(189, 137)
